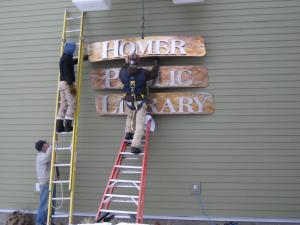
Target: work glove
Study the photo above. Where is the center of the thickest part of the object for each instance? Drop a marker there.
(127, 59)
(73, 90)
(156, 61)
(85, 57)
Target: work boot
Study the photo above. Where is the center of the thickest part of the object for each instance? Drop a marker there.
(106, 217)
(69, 127)
(60, 126)
(129, 136)
(135, 150)
(109, 218)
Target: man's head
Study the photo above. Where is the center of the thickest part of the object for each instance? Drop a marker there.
(41, 146)
(70, 48)
(134, 59)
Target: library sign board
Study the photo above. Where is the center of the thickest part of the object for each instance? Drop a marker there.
(160, 104)
(165, 103)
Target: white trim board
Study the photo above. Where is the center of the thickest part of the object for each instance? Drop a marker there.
(187, 218)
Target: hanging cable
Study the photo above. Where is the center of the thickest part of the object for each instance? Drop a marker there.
(143, 20)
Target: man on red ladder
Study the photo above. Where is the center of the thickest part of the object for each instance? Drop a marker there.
(134, 79)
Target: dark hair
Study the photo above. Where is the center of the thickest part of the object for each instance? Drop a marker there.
(39, 145)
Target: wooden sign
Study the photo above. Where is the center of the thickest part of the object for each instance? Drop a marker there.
(160, 104)
(170, 77)
(149, 46)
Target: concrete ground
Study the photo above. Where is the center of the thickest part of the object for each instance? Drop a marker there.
(80, 220)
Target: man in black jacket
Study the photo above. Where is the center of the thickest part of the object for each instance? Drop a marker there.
(135, 79)
(67, 89)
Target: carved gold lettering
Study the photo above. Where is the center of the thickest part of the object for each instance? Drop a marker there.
(185, 102)
(141, 49)
(168, 105)
(106, 48)
(109, 75)
(119, 106)
(162, 47)
(180, 77)
(127, 48)
(104, 103)
(199, 103)
(178, 44)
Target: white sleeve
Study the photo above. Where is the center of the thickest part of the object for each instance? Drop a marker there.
(46, 157)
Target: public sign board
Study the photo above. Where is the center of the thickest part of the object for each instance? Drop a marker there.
(170, 77)
(147, 47)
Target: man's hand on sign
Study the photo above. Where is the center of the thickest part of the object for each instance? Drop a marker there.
(156, 61)
(127, 59)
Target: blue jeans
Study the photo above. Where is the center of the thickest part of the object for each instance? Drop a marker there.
(41, 218)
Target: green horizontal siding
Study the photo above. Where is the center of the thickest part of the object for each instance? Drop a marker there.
(246, 155)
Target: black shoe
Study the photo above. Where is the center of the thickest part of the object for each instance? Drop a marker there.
(136, 150)
(129, 136)
(60, 126)
(102, 217)
(106, 217)
(69, 127)
(109, 218)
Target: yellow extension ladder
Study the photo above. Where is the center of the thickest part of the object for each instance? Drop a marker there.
(66, 143)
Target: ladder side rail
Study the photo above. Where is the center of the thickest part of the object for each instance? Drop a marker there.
(76, 119)
(116, 171)
(113, 175)
(110, 189)
(141, 202)
(54, 136)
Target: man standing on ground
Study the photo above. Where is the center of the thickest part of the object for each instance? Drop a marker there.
(43, 165)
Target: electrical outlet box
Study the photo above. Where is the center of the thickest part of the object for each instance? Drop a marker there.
(196, 188)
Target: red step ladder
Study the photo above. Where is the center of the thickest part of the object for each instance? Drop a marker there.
(125, 188)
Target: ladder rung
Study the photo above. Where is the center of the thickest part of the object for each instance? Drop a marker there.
(60, 215)
(125, 181)
(62, 165)
(129, 167)
(61, 181)
(131, 154)
(124, 201)
(71, 31)
(122, 196)
(61, 198)
(65, 133)
(129, 141)
(122, 217)
(74, 18)
(119, 212)
(131, 172)
(124, 185)
(63, 148)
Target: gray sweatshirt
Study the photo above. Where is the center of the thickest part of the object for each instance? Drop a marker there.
(43, 162)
